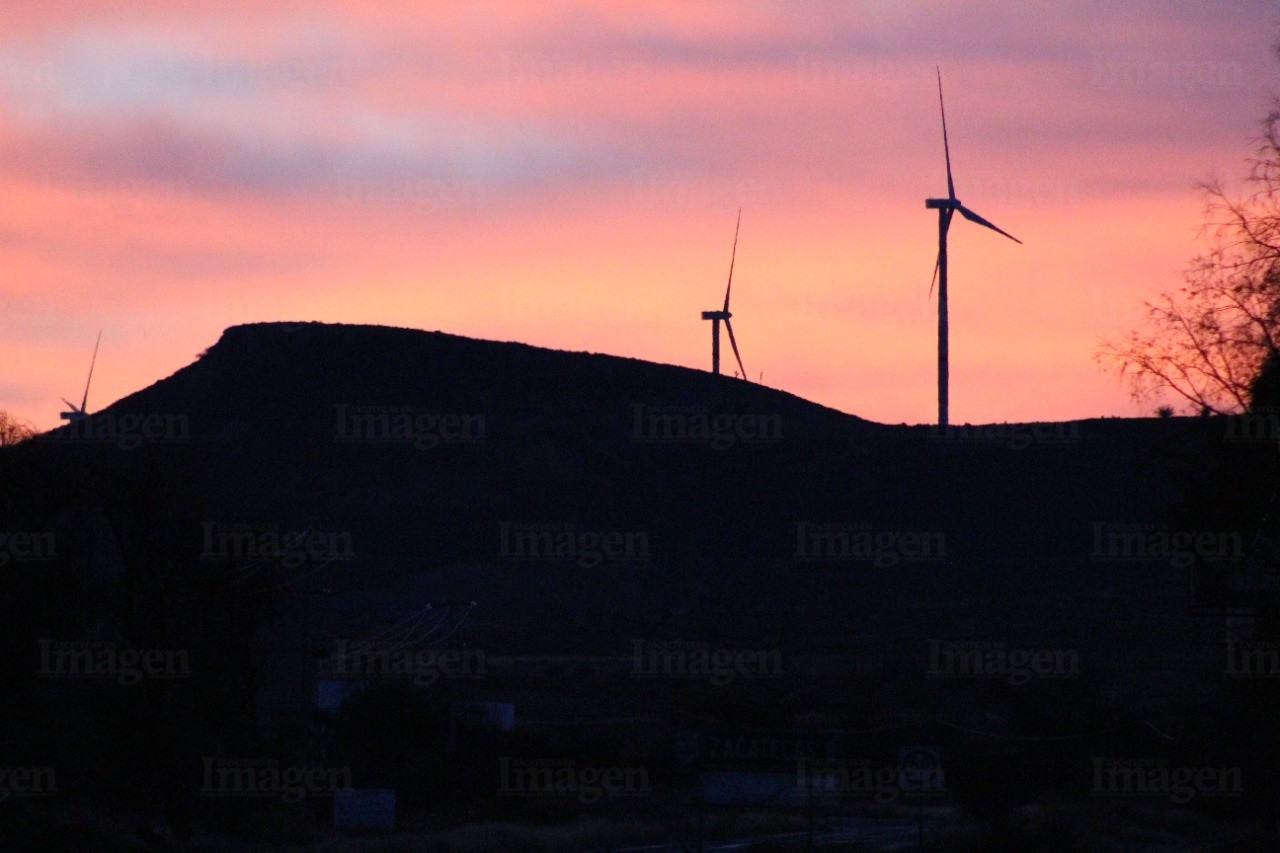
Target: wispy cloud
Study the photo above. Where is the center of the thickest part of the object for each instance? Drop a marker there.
(416, 163)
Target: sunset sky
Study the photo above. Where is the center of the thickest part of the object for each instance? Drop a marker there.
(567, 174)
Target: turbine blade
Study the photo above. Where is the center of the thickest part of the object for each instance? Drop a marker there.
(85, 401)
(732, 259)
(733, 343)
(973, 217)
(934, 281)
(70, 404)
(946, 146)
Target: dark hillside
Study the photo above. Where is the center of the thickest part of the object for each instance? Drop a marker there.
(303, 485)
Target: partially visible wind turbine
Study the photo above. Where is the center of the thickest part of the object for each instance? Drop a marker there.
(716, 316)
(946, 207)
(75, 413)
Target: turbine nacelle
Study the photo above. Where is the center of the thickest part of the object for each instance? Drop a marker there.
(716, 315)
(942, 203)
(72, 414)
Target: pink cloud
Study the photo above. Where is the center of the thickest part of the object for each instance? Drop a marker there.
(567, 175)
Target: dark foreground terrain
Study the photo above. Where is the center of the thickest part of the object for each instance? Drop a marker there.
(567, 601)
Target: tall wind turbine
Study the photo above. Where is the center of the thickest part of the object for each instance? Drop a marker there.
(78, 413)
(716, 316)
(946, 207)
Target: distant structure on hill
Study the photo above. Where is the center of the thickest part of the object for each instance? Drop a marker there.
(723, 314)
(76, 413)
(946, 208)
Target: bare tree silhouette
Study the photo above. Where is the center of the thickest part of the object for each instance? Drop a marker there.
(1207, 341)
(13, 429)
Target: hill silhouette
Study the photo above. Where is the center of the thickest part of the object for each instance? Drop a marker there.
(304, 485)
(348, 427)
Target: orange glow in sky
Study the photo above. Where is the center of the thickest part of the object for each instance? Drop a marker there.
(567, 174)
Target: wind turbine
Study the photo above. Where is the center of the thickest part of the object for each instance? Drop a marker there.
(946, 207)
(716, 316)
(78, 413)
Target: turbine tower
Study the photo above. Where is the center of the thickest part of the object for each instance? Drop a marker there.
(75, 413)
(716, 316)
(946, 207)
